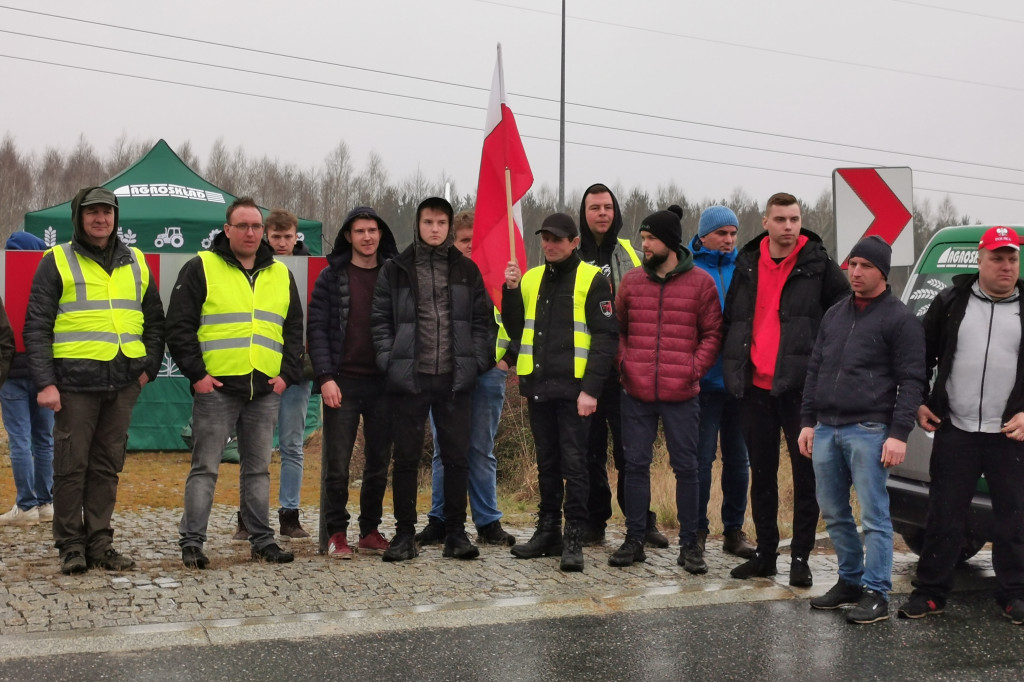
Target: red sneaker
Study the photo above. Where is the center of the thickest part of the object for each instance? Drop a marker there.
(338, 547)
(373, 542)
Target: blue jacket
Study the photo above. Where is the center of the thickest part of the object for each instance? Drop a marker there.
(720, 266)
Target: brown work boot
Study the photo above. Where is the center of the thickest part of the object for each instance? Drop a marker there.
(737, 544)
(291, 529)
(241, 532)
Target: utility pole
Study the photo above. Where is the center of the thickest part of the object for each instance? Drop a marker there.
(561, 124)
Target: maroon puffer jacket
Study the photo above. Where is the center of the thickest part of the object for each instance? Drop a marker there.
(670, 333)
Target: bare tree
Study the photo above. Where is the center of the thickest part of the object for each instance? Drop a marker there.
(15, 186)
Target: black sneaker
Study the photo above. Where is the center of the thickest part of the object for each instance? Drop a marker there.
(432, 534)
(800, 572)
(193, 557)
(402, 548)
(840, 594)
(631, 552)
(272, 554)
(1014, 610)
(757, 566)
(919, 606)
(458, 546)
(73, 562)
(654, 537)
(691, 558)
(871, 608)
(494, 534)
(593, 535)
(110, 560)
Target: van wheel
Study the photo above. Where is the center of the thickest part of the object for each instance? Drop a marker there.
(971, 546)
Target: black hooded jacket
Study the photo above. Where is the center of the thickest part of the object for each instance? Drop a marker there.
(79, 374)
(185, 309)
(329, 305)
(609, 255)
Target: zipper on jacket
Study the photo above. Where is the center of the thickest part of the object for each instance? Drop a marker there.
(984, 365)
(657, 338)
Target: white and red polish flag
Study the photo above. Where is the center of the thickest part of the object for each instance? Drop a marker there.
(505, 177)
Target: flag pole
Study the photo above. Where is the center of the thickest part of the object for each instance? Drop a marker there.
(511, 224)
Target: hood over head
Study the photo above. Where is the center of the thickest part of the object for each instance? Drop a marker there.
(25, 241)
(387, 248)
(87, 197)
(438, 204)
(588, 244)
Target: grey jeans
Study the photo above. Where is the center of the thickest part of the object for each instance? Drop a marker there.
(214, 416)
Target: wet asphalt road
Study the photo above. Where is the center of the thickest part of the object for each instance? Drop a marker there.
(782, 640)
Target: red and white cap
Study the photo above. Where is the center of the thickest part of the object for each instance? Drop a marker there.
(999, 237)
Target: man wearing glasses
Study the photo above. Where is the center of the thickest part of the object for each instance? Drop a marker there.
(234, 326)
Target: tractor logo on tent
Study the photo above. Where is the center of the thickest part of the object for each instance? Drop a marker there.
(170, 235)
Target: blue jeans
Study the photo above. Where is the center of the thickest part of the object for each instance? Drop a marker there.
(720, 420)
(30, 437)
(852, 455)
(488, 399)
(214, 416)
(291, 431)
(639, 430)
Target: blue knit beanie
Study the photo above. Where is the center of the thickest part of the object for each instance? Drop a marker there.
(716, 217)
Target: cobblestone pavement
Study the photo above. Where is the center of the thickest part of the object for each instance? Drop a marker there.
(36, 598)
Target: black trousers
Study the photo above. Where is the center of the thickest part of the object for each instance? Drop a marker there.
(408, 421)
(560, 435)
(763, 416)
(958, 459)
(606, 418)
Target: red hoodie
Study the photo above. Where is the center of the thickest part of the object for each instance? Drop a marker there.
(771, 277)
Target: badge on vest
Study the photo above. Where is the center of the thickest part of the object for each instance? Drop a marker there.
(606, 308)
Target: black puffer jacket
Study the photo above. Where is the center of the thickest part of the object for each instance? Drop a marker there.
(83, 375)
(327, 316)
(394, 321)
(184, 311)
(815, 285)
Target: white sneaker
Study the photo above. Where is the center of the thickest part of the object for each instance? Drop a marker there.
(16, 517)
(45, 513)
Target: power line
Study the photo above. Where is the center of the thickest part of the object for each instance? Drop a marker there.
(533, 97)
(960, 11)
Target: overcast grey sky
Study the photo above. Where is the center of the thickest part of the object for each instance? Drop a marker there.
(901, 79)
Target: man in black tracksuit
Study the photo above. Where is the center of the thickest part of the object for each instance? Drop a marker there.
(433, 331)
(562, 314)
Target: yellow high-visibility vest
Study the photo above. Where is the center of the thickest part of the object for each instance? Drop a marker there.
(501, 345)
(631, 251)
(237, 317)
(99, 313)
(530, 287)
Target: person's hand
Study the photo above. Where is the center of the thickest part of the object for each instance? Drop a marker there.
(512, 275)
(1015, 427)
(502, 365)
(893, 452)
(143, 379)
(806, 440)
(331, 393)
(49, 398)
(586, 404)
(927, 420)
(206, 385)
(278, 383)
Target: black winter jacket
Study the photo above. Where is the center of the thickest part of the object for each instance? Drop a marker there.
(815, 285)
(183, 315)
(394, 321)
(867, 366)
(941, 330)
(77, 374)
(327, 315)
(553, 376)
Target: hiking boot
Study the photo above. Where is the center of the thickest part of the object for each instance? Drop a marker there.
(73, 562)
(45, 513)
(193, 557)
(494, 534)
(631, 551)
(654, 537)
(110, 560)
(800, 572)
(840, 594)
(572, 547)
(272, 554)
(241, 532)
(871, 608)
(736, 543)
(458, 546)
(691, 558)
(702, 540)
(337, 546)
(18, 517)
(1014, 610)
(757, 566)
(291, 529)
(402, 548)
(372, 543)
(593, 536)
(546, 541)
(919, 606)
(432, 534)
